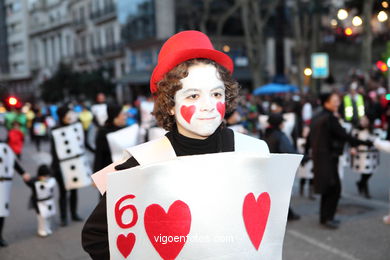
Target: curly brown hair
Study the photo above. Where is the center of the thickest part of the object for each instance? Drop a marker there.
(167, 87)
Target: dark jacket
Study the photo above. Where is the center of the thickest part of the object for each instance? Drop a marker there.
(326, 140)
(278, 142)
(95, 231)
(102, 151)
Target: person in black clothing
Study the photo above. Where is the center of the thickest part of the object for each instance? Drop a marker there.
(26, 177)
(38, 129)
(278, 142)
(190, 99)
(326, 140)
(115, 121)
(65, 118)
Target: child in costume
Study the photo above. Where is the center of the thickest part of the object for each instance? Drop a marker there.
(16, 139)
(42, 199)
(193, 87)
(7, 165)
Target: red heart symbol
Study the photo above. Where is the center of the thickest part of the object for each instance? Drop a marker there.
(187, 112)
(221, 109)
(255, 215)
(162, 228)
(125, 244)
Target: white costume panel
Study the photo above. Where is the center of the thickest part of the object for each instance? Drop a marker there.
(380, 133)
(305, 171)
(45, 197)
(156, 132)
(69, 146)
(160, 150)
(7, 160)
(99, 111)
(122, 139)
(227, 206)
(367, 158)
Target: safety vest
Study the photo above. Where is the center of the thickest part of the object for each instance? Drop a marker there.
(348, 107)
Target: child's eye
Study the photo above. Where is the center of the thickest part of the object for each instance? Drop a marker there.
(217, 95)
(193, 96)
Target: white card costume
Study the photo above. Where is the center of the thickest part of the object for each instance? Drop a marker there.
(121, 139)
(7, 160)
(216, 206)
(99, 111)
(380, 133)
(45, 197)
(305, 171)
(367, 158)
(69, 146)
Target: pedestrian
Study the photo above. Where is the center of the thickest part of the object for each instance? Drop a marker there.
(8, 163)
(115, 121)
(192, 87)
(42, 199)
(60, 148)
(364, 160)
(16, 139)
(39, 128)
(327, 138)
(278, 142)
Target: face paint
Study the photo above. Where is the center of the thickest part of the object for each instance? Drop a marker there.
(200, 104)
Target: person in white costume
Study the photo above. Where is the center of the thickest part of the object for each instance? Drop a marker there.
(193, 88)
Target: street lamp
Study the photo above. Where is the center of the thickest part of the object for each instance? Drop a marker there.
(308, 72)
(357, 21)
(333, 22)
(382, 16)
(226, 48)
(342, 14)
(385, 4)
(348, 31)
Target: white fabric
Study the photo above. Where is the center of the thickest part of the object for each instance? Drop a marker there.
(382, 145)
(99, 111)
(214, 188)
(69, 141)
(45, 190)
(7, 160)
(122, 139)
(307, 111)
(160, 150)
(76, 172)
(44, 226)
(155, 133)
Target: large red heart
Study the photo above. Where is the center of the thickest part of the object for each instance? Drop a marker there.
(162, 228)
(221, 109)
(255, 215)
(125, 244)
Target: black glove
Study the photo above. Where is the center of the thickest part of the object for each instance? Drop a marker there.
(305, 159)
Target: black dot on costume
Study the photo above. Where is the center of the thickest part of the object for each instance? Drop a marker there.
(63, 133)
(51, 190)
(49, 207)
(367, 167)
(6, 205)
(356, 135)
(75, 129)
(357, 157)
(66, 142)
(75, 179)
(1, 160)
(357, 167)
(368, 157)
(5, 150)
(6, 169)
(42, 187)
(67, 150)
(72, 167)
(78, 138)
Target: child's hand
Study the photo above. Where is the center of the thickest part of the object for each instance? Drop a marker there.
(353, 151)
(26, 177)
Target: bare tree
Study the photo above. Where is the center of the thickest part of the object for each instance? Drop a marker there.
(254, 19)
(367, 37)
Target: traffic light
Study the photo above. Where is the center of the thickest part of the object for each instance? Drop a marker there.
(381, 66)
(348, 31)
(13, 101)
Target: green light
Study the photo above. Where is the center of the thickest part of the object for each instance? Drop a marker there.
(388, 62)
(387, 96)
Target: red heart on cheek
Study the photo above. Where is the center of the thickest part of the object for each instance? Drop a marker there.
(221, 109)
(187, 112)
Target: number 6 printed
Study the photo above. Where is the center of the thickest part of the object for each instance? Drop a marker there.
(119, 211)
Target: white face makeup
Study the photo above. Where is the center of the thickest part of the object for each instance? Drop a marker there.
(200, 104)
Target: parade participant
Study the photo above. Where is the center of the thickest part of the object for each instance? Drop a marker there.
(364, 160)
(69, 165)
(278, 142)
(193, 88)
(42, 199)
(7, 164)
(39, 128)
(16, 139)
(115, 121)
(353, 105)
(99, 110)
(327, 138)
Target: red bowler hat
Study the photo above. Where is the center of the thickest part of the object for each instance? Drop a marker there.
(184, 46)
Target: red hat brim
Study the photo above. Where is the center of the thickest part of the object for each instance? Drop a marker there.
(174, 59)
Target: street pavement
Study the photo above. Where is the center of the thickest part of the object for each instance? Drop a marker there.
(362, 235)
